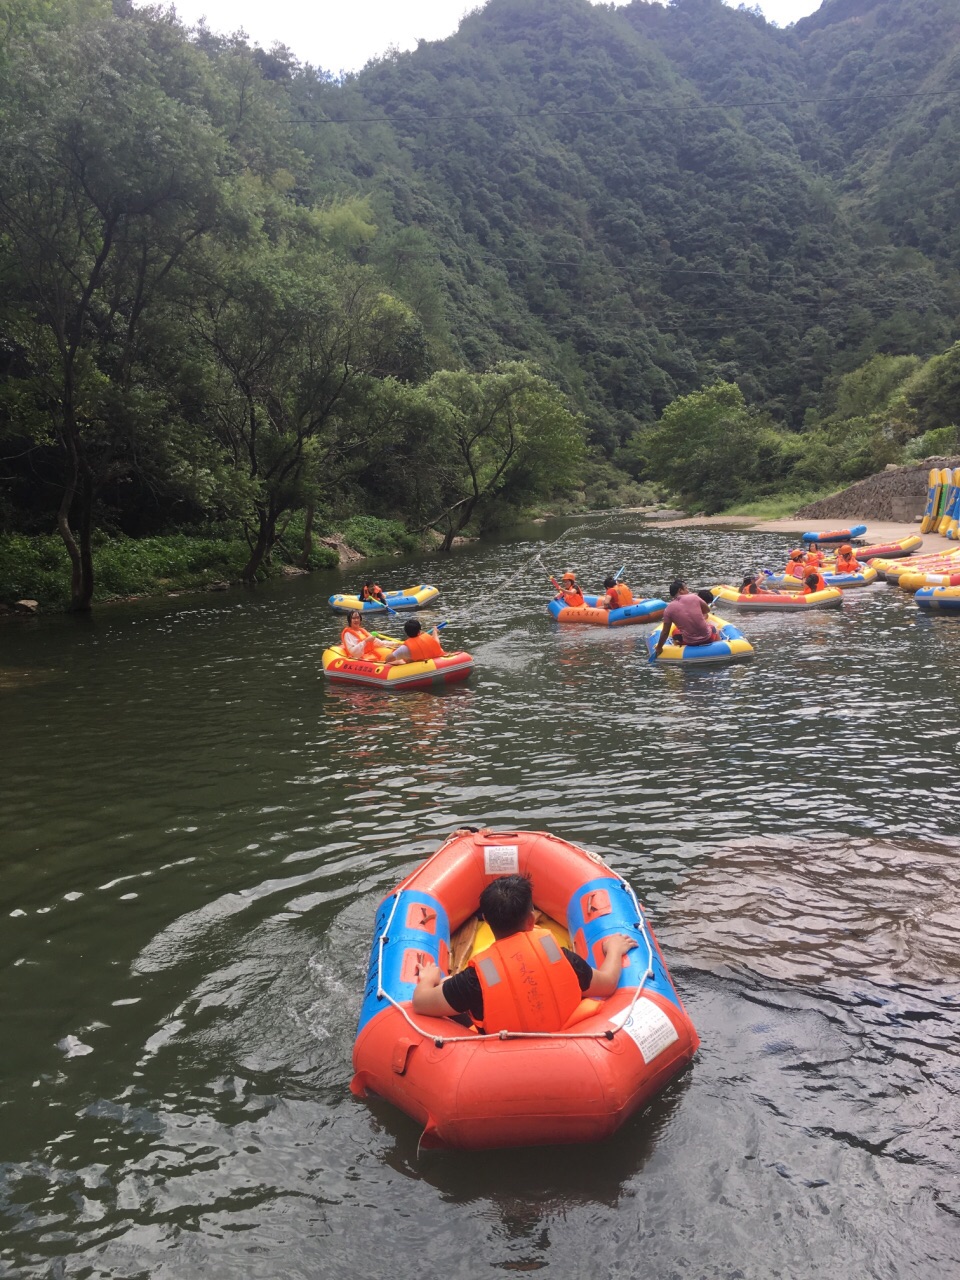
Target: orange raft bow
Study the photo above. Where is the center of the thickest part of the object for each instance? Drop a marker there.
(516, 1088)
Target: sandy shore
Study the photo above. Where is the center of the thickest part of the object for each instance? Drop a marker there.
(878, 531)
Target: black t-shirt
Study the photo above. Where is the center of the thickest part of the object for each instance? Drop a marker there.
(464, 994)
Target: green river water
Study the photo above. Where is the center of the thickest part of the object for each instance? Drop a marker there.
(196, 833)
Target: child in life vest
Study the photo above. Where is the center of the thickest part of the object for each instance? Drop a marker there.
(813, 582)
(418, 646)
(794, 567)
(847, 561)
(618, 594)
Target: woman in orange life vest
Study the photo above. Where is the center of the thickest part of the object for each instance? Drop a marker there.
(813, 582)
(417, 647)
(372, 591)
(524, 981)
(357, 642)
(794, 567)
(847, 561)
(570, 593)
(618, 594)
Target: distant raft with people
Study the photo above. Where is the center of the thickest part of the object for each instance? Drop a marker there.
(340, 668)
(836, 535)
(592, 614)
(778, 601)
(732, 646)
(516, 1088)
(845, 581)
(404, 601)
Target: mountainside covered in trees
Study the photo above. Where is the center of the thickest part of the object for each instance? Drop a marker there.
(653, 197)
(241, 293)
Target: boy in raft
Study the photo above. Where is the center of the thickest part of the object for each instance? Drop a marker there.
(372, 591)
(688, 613)
(813, 582)
(524, 981)
(847, 561)
(618, 594)
(570, 593)
(417, 647)
(357, 642)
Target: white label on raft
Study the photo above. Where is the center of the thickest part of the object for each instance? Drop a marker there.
(649, 1028)
(501, 859)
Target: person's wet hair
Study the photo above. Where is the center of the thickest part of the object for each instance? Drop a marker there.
(609, 582)
(412, 627)
(506, 903)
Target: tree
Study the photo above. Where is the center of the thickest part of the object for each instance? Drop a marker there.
(710, 449)
(108, 176)
(502, 436)
(309, 359)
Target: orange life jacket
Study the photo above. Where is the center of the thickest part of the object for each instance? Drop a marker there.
(372, 651)
(794, 569)
(821, 586)
(622, 595)
(573, 598)
(813, 560)
(847, 564)
(527, 983)
(423, 646)
(375, 591)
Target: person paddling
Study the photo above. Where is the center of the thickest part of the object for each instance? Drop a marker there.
(689, 614)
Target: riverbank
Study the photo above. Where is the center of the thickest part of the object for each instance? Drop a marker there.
(878, 531)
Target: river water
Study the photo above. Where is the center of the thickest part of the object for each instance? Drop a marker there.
(196, 833)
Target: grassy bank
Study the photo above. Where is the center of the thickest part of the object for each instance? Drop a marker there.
(38, 568)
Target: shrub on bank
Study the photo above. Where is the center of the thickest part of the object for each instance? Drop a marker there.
(38, 568)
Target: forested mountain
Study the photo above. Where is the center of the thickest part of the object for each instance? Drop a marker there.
(571, 238)
(654, 196)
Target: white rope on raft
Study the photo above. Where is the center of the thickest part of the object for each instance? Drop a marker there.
(475, 1039)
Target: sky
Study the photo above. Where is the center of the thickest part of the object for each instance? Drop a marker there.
(342, 35)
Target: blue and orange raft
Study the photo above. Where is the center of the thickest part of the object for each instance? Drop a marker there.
(579, 1084)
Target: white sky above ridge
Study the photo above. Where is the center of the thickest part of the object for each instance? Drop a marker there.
(343, 35)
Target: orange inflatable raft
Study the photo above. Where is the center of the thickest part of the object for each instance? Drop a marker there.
(516, 1088)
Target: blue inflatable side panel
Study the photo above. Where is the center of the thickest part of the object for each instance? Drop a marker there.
(586, 913)
(419, 927)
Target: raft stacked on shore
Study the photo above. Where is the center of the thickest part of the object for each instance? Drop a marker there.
(836, 535)
(592, 614)
(397, 601)
(470, 1091)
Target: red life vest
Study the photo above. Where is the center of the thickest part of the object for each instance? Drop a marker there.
(374, 592)
(528, 984)
(423, 646)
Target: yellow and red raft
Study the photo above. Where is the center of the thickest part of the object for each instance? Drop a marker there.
(516, 1088)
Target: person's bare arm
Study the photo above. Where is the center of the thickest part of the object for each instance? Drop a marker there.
(605, 979)
(428, 993)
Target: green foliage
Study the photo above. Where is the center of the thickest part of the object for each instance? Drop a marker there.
(375, 537)
(712, 450)
(37, 568)
(939, 443)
